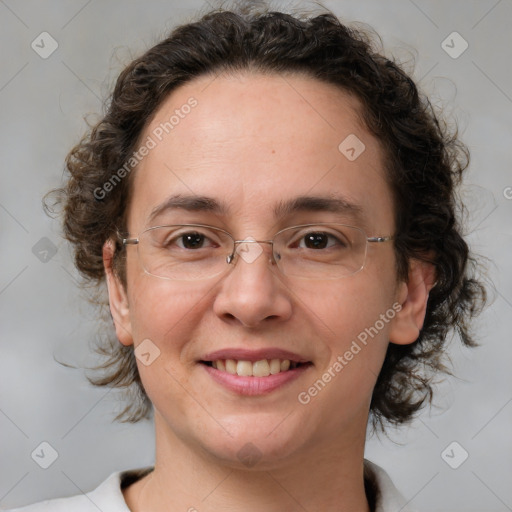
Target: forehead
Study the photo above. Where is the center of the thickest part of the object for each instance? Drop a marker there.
(254, 142)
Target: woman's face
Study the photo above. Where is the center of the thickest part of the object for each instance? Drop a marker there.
(252, 143)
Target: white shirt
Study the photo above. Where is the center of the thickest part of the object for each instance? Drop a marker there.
(108, 496)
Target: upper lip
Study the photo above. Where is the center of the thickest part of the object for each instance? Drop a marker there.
(241, 354)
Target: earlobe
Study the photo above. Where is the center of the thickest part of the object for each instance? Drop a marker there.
(413, 299)
(118, 299)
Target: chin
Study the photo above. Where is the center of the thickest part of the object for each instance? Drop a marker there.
(253, 444)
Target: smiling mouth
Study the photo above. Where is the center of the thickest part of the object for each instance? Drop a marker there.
(261, 368)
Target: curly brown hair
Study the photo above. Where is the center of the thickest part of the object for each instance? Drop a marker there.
(424, 162)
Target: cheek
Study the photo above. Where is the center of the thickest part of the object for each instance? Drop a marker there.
(346, 307)
(354, 344)
(165, 311)
(353, 319)
(165, 317)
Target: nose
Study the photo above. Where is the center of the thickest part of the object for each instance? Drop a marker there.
(253, 292)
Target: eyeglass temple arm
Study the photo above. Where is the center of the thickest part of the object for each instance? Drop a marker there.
(130, 241)
(379, 238)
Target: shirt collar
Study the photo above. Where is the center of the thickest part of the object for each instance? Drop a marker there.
(109, 495)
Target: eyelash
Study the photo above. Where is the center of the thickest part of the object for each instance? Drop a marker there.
(300, 239)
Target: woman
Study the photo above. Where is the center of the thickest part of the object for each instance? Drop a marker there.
(271, 204)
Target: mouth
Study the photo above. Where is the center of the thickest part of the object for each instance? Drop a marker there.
(260, 368)
(254, 372)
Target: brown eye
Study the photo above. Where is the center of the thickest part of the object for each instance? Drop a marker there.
(192, 240)
(316, 240)
(320, 240)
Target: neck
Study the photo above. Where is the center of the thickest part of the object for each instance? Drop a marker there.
(328, 478)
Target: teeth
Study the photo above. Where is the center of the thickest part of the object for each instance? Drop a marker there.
(262, 368)
(244, 368)
(275, 366)
(231, 366)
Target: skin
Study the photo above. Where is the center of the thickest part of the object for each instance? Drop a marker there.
(251, 141)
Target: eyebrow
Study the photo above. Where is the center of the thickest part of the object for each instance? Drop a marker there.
(191, 203)
(194, 203)
(317, 204)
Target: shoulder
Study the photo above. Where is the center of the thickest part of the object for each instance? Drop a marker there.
(107, 496)
(387, 496)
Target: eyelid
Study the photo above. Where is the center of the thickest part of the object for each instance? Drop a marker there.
(178, 231)
(299, 235)
(304, 227)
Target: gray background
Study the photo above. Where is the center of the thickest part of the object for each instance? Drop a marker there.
(44, 315)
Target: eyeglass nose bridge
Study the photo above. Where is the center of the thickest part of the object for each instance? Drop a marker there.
(231, 257)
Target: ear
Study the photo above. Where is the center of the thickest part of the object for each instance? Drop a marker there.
(413, 298)
(118, 299)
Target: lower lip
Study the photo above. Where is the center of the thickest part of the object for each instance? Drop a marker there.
(254, 385)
